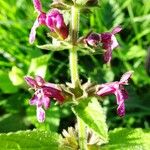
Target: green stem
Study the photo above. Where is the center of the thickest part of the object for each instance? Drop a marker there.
(82, 134)
(73, 59)
(74, 66)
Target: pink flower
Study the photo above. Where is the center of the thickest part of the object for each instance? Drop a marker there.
(118, 90)
(55, 22)
(93, 39)
(43, 92)
(39, 21)
(109, 42)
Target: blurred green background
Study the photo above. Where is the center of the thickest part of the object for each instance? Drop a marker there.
(19, 58)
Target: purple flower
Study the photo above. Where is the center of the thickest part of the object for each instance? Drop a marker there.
(93, 39)
(43, 92)
(109, 42)
(55, 22)
(118, 90)
(39, 21)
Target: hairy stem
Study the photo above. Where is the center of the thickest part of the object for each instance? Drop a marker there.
(73, 59)
(82, 134)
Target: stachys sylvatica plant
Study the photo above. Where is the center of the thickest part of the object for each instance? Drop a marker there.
(91, 129)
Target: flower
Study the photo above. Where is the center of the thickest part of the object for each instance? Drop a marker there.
(92, 40)
(55, 22)
(109, 42)
(118, 90)
(43, 92)
(39, 21)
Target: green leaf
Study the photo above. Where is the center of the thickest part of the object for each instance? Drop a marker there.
(128, 139)
(16, 76)
(56, 46)
(92, 114)
(5, 83)
(39, 65)
(132, 52)
(30, 140)
(12, 122)
(81, 2)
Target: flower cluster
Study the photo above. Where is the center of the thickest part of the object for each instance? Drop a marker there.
(43, 92)
(53, 20)
(106, 40)
(118, 90)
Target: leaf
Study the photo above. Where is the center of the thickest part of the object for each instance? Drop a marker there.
(81, 2)
(56, 46)
(91, 113)
(39, 65)
(128, 139)
(16, 76)
(29, 140)
(132, 52)
(5, 83)
(12, 122)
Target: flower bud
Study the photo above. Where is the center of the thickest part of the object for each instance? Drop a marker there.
(55, 22)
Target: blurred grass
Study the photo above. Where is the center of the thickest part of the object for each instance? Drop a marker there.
(17, 56)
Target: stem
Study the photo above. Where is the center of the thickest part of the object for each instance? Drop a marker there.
(81, 134)
(74, 67)
(73, 60)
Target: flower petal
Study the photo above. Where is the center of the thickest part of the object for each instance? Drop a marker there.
(40, 114)
(116, 30)
(107, 89)
(121, 110)
(33, 100)
(114, 43)
(93, 39)
(120, 101)
(37, 5)
(39, 80)
(42, 18)
(125, 77)
(107, 55)
(33, 31)
(30, 81)
(124, 93)
(46, 102)
(119, 96)
(54, 93)
(55, 22)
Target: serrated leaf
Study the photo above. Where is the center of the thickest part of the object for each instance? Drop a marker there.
(128, 139)
(39, 65)
(29, 140)
(92, 114)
